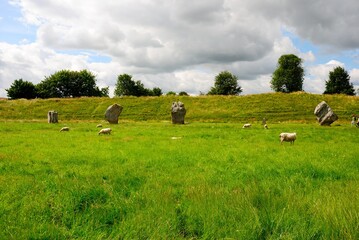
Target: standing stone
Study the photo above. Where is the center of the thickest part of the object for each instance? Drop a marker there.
(178, 112)
(52, 117)
(325, 115)
(112, 113)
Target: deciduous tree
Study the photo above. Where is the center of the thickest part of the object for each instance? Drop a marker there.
(66, 83)
(157, 91)
(289, 75)
(125, 86)
(171, 93)
(225, 83)
(21, 89)
(339, 82)
(105, 91)
(183, 93)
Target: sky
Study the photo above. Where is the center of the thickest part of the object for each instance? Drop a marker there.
(178, 45)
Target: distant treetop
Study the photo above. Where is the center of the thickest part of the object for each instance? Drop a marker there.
(21, 89)
(339, 82)
(225, 83)
(289, 75)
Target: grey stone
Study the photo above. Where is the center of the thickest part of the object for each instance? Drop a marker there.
(52, 117)
(178, 112)
(325, 114)
(112, 113)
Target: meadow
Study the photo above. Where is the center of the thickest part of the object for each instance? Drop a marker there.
(155, 180)
(206, 179)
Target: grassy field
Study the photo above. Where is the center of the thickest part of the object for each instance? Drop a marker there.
(207, 179)
(155, 180)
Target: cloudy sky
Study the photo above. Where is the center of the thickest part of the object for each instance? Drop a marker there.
(177, 45)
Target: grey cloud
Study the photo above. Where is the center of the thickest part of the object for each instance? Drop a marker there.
(142, 39)
(197, 12)
(328, 23)
(77, 37)
(162, 35)
(166, 42)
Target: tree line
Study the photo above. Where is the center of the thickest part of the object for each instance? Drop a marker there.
(62, 84)
(287, 77)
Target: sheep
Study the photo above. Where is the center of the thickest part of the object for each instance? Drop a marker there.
(287, 137)
(65, 129)
(247, 125)
(265, 126)
(99, 125)
(105, 131)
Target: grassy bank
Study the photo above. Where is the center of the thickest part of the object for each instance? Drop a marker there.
(273, 106)
(154, 180)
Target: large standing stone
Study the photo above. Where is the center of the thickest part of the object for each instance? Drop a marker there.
(178, 112)
(52, 117)
(112, 113)
(325, 115)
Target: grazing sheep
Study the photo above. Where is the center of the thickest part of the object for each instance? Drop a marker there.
(247, 125)
(265, 126)
(288, 137)
(105, 131)
(99, 125)
(65, 129)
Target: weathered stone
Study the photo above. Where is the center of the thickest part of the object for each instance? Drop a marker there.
(178, 112)
(324, 114)
(112, 113)
(52, 117)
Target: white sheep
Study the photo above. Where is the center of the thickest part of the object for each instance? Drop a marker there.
(65, 129)
(105, 131)
(288, 137)
(247, 125)
(265, 126)
(99, 125)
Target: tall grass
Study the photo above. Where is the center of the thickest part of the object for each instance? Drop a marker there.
(154, 180)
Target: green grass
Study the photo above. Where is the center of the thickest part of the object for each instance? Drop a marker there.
(214, 181)
(273, 106)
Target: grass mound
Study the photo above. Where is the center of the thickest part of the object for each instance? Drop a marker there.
(273, 106)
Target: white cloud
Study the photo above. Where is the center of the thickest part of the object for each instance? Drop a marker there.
(162, 35)
(354, 77)
(323, 22)
(317, 75)
(177, 45)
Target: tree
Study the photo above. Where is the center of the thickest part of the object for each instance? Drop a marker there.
(183, 93)
(21, 89)
(157, 91)
(289, 75)
(86, 85)
(339, 82)
(225, 84)
(171, 93)
(105, 92)
(66, 83)
(125, 86)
